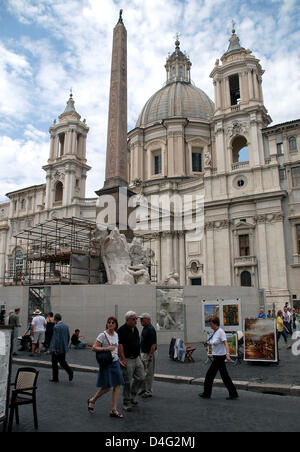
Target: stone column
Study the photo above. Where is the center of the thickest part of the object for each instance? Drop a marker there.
(250, 84)
(263, 253)
(182, 259)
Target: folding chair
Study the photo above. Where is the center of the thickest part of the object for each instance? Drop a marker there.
(23, 394)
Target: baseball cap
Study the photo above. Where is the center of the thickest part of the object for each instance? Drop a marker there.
(145, 316)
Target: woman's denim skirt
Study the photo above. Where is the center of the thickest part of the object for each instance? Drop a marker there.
(110, 376)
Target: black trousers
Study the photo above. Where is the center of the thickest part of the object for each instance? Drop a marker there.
(218, 365)
(60, 359)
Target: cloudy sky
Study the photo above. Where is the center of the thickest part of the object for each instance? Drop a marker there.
(48, 46)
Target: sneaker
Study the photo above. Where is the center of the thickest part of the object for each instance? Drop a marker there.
(134, 402)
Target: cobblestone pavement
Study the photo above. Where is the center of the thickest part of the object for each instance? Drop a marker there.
(174, 408)
(287, 372)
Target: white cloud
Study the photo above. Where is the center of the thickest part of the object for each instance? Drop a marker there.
(74, 49)
(21, 160)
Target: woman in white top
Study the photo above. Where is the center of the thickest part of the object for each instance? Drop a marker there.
(109, 377)
(220, 351)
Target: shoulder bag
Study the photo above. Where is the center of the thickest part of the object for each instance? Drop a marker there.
(105, 357)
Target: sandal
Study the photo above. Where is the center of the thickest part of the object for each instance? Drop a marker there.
(90, 409)
(115, 413)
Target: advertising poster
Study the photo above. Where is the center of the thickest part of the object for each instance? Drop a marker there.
(260, 340)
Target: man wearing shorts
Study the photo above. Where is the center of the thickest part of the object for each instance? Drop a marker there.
(38, 331)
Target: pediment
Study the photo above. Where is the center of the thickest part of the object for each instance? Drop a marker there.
(242, 225)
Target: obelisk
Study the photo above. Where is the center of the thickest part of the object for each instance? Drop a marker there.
(116, 173)
(116, 149)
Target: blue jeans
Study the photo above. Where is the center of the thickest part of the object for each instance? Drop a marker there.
(81, 345)
(284, 334)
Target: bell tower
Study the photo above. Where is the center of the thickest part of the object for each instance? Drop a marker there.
(240, 113)
(67, 169)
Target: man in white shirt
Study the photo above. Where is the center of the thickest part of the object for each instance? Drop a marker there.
(38, 331)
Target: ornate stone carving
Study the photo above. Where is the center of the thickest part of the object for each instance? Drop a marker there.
(207, 160)
(172, 280)
(237, 128)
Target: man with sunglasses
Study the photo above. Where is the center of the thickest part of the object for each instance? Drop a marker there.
(132, 366)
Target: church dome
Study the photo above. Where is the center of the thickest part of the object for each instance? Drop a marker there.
(179, 97)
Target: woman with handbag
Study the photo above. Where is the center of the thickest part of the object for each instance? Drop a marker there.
(110, 375)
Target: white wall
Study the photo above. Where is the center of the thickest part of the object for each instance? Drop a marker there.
(88, 307)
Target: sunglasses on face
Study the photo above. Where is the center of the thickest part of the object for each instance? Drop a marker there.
(133, 318)
(111, 323)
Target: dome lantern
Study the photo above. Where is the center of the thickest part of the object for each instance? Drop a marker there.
(178, 65)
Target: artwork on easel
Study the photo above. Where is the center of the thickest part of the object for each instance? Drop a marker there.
(260, 340)
(232, 339)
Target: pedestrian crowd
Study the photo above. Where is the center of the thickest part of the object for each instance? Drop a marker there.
(127, 358)
(287, 321)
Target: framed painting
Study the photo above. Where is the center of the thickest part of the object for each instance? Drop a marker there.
(231, 315)
(260, 340)
(232, 339)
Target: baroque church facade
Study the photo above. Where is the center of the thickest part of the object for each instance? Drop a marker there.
(184, 143)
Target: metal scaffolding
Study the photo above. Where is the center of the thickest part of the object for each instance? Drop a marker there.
(58, 251)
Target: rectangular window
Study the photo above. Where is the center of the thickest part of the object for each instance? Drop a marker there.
(244, 245)
(197, 162)
(282, 174)
(21, 225)
(13, 228)
(235, 94)
(279, 148)
(296, 176)
(157, 164)
(10, 268)
(298, 237)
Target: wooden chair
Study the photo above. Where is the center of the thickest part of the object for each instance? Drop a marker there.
(23, 394)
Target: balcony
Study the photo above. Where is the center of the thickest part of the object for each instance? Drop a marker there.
(235, 108)
(245, 261)
(240, 165)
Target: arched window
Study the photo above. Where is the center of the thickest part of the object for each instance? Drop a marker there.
(240, 152)
(246, 280)
(59, 190)
(292, 144)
